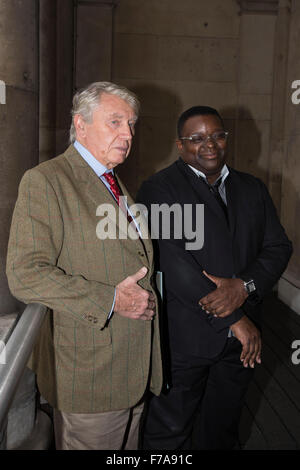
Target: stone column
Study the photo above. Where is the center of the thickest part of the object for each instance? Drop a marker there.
(56, 75)
(255, 87)
(276, 151)
(64, 71)
(18, 116)
(47, 86)
(93, 47)
(19, 132)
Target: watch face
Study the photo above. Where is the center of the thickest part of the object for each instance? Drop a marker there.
(250, 287)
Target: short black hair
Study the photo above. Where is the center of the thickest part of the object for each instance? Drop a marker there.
(195, 111)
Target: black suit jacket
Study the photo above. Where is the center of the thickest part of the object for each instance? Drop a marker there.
(252, 246)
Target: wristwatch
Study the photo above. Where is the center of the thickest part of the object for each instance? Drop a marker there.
(250, 286)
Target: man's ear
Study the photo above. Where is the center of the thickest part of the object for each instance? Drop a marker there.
(79, 125)
(179, 145)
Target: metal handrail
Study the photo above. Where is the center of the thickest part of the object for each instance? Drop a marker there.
(17, 352)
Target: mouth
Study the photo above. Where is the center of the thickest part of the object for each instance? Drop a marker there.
(122, 149)
(209, 156)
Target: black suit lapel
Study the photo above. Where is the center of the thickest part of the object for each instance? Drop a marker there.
(232, 197)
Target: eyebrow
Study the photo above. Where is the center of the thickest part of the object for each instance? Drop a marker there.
(202, 133)
(120, 116)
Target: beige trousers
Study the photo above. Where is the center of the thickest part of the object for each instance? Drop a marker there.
(112, 430)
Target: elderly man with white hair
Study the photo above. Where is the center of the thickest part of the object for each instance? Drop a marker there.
(97, 352)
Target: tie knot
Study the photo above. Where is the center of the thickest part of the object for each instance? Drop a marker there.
(111, 179)
(214, 188)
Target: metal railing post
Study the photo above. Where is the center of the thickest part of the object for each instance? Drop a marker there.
(17, 352)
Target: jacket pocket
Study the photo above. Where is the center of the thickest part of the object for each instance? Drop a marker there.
(80, 336)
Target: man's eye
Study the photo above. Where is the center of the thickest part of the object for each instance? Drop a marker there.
(219, 136)
(115, 122)
(198, 139)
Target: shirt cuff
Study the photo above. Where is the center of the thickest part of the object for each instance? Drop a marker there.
(112, 307)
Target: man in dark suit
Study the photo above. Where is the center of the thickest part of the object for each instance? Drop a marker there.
(213, 292)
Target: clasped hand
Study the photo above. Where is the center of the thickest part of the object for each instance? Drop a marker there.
(229, 295)
(132, 301)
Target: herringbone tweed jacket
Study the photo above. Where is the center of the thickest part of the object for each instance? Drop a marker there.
(84, 363)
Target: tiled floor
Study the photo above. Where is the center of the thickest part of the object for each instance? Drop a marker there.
(271, 416)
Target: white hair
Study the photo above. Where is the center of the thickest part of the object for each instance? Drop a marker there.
(86, 100)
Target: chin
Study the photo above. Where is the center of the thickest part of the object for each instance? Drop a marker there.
(117, 161)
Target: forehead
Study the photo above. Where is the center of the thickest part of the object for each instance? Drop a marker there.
(202, 123)
(114, 106)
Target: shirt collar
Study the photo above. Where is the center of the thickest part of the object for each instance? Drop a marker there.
(223, 175)
(98, 168)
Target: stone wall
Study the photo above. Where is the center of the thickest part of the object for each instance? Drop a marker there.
(18, 116)
(289, 287)
(178, 54)
(238, 56)
(19, 70)
(174, 54)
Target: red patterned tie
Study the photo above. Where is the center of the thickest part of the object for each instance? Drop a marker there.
(111, 179)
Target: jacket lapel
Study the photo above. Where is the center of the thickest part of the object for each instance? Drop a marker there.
(146, 241)
(232, 197)
(90, 185)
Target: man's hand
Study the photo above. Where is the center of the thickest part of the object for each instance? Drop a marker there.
(245, 331)
(229, 295)
(133, 301)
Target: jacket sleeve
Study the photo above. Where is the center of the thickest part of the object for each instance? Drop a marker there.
(36, 240)
(184, 280)
(274, 254)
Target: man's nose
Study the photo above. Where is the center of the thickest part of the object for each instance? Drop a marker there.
(210, 142)
(126, 131)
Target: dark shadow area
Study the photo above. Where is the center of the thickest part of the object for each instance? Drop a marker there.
(155, 135)
(244, 152)
(271, 415)
(244, 141)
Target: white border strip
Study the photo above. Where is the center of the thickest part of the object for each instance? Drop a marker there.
(289, 294)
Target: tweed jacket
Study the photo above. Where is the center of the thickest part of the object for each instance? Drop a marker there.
(84, 363)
